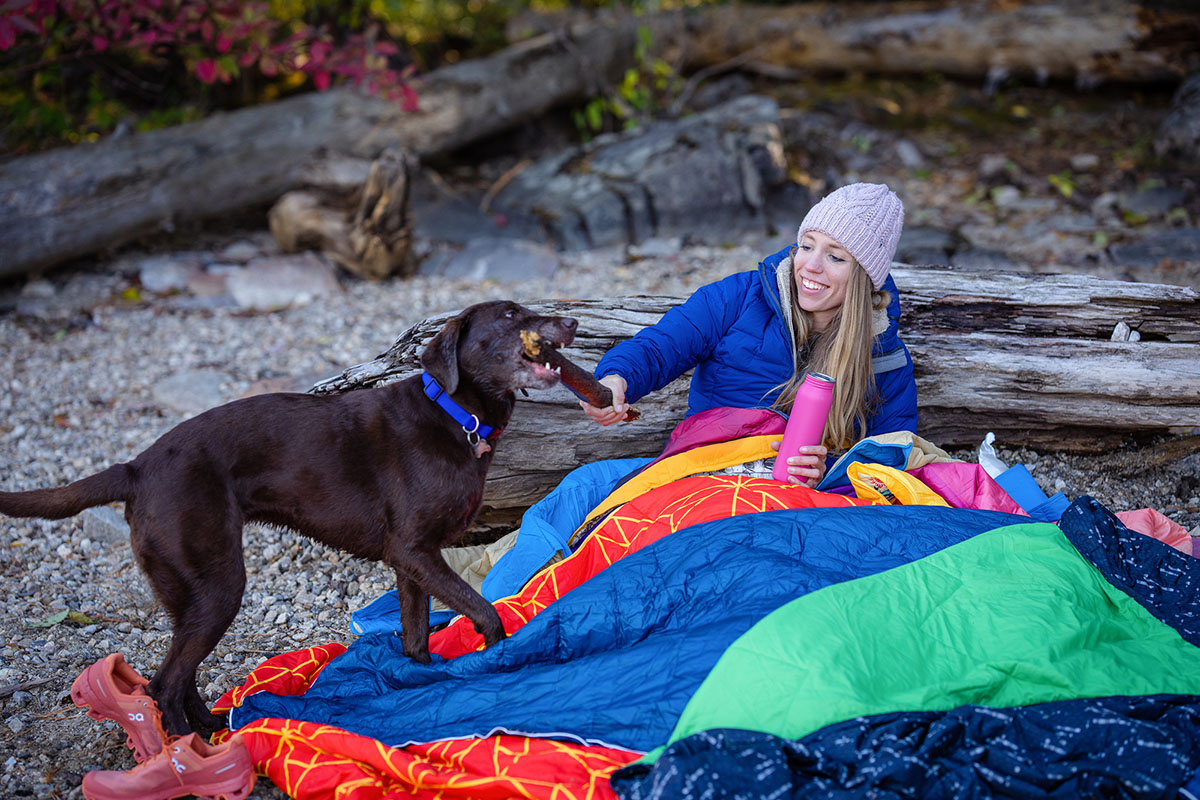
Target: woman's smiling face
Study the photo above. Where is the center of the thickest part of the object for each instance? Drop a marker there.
(822, 268)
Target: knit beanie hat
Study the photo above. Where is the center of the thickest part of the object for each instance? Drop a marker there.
(866, 219)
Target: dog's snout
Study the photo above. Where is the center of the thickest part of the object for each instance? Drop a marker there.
(560, 330)
(568, 325)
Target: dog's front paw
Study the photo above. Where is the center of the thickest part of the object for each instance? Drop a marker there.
(420, 656)
(497, 634)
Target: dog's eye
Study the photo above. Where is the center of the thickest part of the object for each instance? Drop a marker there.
(509, 314)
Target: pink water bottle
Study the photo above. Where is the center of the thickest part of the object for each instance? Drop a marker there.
(806, 424)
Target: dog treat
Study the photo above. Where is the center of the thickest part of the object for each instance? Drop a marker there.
(577, 379)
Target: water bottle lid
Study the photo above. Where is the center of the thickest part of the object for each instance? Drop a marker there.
(821, 377)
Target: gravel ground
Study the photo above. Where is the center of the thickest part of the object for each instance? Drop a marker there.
(80, 394)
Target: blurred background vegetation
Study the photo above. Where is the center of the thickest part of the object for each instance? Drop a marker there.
(76, 71)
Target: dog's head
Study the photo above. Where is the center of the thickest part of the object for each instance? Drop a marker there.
(483, 344)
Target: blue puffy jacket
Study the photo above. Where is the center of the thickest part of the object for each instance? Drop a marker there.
(732, 333)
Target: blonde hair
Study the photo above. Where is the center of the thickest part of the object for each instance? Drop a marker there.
(842, 351)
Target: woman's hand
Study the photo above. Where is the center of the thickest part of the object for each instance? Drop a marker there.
(614, 413)
(808, 468)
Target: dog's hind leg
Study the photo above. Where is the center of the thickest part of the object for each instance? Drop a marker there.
(198, 574)
(200, 620)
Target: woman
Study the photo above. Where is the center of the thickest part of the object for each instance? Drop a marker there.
(751, 350)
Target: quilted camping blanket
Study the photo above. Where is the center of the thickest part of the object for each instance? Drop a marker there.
(711, 608)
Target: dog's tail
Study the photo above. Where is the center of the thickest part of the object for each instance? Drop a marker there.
(114, 483)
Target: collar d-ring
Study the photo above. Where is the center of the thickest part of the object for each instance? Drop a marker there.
(472, 434)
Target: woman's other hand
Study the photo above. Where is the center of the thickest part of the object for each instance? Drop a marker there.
(617, 411)
(808, 468)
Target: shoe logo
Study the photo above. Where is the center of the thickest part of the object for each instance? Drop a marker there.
(139, 717)
(178, 767)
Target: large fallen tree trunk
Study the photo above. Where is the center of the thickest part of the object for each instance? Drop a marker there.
(1081, 41)
(62, 204)
(1028, 357)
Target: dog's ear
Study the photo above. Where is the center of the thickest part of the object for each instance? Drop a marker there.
(440, 356)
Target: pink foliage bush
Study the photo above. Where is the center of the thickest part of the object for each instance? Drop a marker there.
(216, 38)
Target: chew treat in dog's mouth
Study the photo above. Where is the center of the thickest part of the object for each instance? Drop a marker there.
(536, 351)
(578, 380)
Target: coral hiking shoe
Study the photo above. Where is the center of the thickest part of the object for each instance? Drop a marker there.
(111, 689)
(188, 765)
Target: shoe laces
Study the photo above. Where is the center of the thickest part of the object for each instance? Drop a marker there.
(148, 764)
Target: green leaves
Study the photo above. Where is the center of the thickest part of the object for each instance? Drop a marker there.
(1063, 182)
(645, 88)
(59, 617)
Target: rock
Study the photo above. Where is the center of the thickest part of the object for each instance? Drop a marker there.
(208, 289)
(983, 258)
(909, 155)
(240, 252)
(15, 723)
(1085, 162)
(1155, 202)
(993, 166)
(1178, 135)
(720, 90)
(1123, 333)
(656, 248)
(924, 257)
(274, 282)
(924, 246)
(68, 302)
(162, 274)
(787, 204)
(1010, 198)
(1174, 244)
(211, 282)
(39, 288)
(1072, 223)
(439, 217)
(1006, 196)
(223, 270)
(1106, 206)
(497, 259)
(191, 392)
(105, 524)
(706, 176)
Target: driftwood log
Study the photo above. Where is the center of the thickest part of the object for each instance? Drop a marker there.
(62, 204)
(1121, 41)
(1028, 357)
(358, 217)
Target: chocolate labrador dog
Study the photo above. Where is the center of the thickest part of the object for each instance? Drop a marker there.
(390, 474)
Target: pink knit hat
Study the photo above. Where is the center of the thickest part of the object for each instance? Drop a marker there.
(866, 219)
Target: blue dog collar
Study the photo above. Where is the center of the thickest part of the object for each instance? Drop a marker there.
(470, 423)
